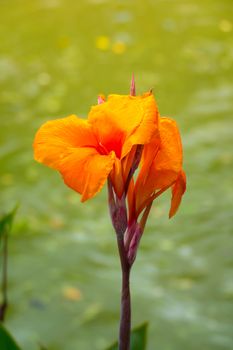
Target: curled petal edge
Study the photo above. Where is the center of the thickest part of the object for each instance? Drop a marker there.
(178, 190)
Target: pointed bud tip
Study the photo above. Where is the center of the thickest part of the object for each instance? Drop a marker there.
(132, 86)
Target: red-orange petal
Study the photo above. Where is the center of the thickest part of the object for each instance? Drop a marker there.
(167, 161)
(178, 190)
(117, 178)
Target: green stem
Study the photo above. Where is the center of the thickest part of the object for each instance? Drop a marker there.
(3, 306)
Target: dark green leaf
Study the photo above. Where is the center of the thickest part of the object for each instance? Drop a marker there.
(138, 338)
(6, 341)
(42, 347)
(6, 221)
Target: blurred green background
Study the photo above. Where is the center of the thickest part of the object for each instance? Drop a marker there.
(64, 276)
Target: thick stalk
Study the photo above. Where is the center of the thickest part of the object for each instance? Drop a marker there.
(125, 321)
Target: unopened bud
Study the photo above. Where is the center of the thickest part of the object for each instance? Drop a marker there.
(133, 247)
(101, 99)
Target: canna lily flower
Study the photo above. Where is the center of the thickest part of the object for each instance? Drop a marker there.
(121, 134)
(87, 152)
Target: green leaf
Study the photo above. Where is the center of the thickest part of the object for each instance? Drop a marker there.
(6, 340)
(6, 221)
(42, 347)
(138, 338)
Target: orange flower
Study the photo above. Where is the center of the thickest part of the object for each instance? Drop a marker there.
(119, 135)
(87, 152)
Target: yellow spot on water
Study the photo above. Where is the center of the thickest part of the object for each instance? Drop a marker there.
(72, 293)
(225, 25)
(119, 47)
(102, 43)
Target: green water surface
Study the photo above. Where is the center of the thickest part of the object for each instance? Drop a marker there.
(64, 275)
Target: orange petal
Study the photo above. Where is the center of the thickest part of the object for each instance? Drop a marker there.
(123, 121)
(68, 145)
(86, 171)
(167, 161)
(110, 137)
(148, 156)
(147, 122)
(57, 137)
(178, 190)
